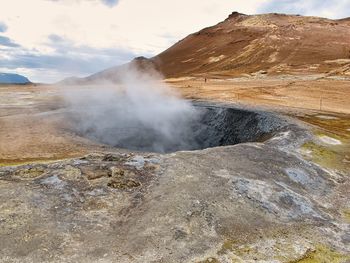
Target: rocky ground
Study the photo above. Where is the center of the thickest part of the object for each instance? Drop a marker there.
(282, 200)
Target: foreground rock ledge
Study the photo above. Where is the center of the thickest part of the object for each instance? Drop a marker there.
(252, 202)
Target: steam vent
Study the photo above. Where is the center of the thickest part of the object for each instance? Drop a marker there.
(213, 126)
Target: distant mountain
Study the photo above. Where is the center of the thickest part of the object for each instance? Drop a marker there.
(248, 44)
(114, 74)
(9, 78)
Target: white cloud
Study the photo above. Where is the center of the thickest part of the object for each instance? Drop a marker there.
(133, 24)
(137, 26)
(333, 9)
(141, 27)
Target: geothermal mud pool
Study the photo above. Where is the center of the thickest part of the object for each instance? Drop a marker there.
(209, 126)
(255, 201)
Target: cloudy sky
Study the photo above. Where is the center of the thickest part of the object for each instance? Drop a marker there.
(48, 40)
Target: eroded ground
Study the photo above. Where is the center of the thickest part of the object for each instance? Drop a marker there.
(287, 93)
(284, 200)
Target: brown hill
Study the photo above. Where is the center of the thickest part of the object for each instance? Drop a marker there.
(274, 43)
(246, 44)
(114, 74)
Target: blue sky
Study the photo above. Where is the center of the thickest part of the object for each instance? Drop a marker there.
(3, 27)
(62, 38)
(110, 3)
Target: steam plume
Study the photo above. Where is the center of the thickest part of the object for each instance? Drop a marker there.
(139, 113)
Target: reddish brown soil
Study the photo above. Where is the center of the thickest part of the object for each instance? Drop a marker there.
(275, 43)
(298, 94)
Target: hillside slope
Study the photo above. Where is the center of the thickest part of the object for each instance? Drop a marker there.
(274, 43)
(249, 44)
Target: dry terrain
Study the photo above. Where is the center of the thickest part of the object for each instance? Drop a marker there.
(65, 198)
(288, 93)
(275, 189)
(29, 116)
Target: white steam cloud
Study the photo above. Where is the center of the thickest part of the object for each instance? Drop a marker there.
(139, 113)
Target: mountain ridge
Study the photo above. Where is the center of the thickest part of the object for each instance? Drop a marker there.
(273, 43)
(11, 78)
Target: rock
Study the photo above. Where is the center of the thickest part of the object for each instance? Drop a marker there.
(123, 183)
(71, 173)
(111, 158)
(31, 172)
(93, 172)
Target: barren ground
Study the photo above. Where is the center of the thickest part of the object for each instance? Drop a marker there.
(64, 198)
(28, 119)
(286, 94)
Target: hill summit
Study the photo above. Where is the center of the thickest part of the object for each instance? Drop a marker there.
(275, 43)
